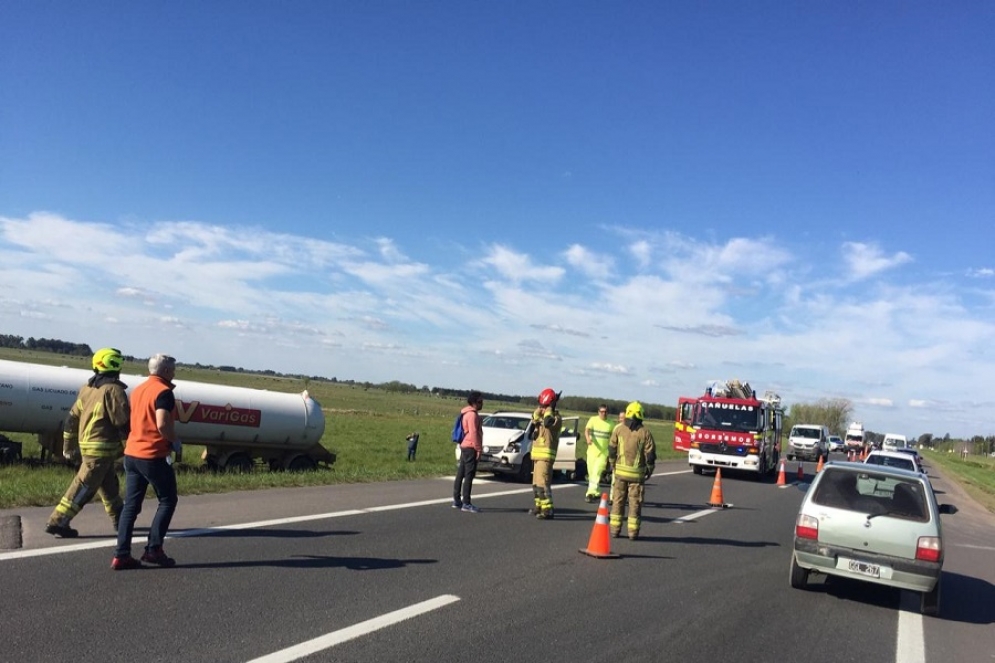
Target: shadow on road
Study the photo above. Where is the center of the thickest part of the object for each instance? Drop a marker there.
(316, 562)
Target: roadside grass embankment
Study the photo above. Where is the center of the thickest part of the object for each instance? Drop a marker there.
(975, 474)
(365, 427)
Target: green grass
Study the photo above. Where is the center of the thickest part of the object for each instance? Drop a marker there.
(365, 427)
(976, 474)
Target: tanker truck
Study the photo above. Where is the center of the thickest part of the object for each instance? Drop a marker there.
(236, 425)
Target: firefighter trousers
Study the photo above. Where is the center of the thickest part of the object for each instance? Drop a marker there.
(626, 493)
(96, 476)
(542, 480)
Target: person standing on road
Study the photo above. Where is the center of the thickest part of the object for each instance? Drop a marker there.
(147, 461)
(597, 432)
(546, 426)
(94, 433)
(632, 456)
(470, 449)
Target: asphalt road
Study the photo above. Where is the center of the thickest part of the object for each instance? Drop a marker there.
(389, 572)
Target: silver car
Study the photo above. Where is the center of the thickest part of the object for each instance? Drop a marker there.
(871, 523)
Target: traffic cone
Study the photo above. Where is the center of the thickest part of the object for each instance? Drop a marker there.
(599, 545)
(716, 498)
(818, 468)
(801, 472)
(782, 481)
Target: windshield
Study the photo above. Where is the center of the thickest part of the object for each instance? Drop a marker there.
(507, 422)
(806, 432)
(728, 416)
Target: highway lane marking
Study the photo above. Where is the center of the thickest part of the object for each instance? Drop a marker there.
(207, 531)
(334, 638)
(910, 642)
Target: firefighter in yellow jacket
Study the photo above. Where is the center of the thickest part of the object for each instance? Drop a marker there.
(546, 425)
(632, 457)
(94, 433)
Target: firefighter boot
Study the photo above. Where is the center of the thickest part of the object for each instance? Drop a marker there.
(61, 529)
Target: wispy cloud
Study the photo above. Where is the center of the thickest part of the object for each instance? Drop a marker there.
(865, 260)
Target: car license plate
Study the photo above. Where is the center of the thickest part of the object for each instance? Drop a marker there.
(865, 569)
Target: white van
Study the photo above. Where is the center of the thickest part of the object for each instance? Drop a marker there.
(894, 442)
(808, 442)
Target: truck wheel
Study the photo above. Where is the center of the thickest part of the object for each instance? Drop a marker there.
(239, 463)
(302, 464)
(799, 576)
(697, 469)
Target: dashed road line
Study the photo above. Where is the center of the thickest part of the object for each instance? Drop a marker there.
(334, 638)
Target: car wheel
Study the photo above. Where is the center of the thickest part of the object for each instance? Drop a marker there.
(525, 471)
(696, 469)
(798, 576)
(929, 602)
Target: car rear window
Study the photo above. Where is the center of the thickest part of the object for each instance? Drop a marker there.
(872, 494)
(891, 461)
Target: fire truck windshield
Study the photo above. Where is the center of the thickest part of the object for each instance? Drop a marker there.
(739, 418)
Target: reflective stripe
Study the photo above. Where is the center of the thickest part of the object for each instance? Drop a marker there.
(630, 472)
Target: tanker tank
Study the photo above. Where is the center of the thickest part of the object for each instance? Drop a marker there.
(235, 424)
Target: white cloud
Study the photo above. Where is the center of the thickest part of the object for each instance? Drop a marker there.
(593, 265)
(864, 260)
(518, 267)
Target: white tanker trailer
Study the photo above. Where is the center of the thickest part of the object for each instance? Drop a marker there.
(236, 424)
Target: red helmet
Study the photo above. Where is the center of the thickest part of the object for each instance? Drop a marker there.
(546, 397)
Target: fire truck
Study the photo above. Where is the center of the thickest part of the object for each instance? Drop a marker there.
(733, 428)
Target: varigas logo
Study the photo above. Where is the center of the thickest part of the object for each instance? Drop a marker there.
(225, 415)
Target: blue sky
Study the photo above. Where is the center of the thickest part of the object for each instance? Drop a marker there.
(617, 199)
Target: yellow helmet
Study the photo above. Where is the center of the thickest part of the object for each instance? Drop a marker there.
(634, 410)
(107, 360)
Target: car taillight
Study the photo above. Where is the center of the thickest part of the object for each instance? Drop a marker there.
(929, 549)
(807, 527)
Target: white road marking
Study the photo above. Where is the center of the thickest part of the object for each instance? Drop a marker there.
(349, 633)
(910, 643)
(696, 515)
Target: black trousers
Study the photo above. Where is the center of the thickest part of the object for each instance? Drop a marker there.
(465, 472)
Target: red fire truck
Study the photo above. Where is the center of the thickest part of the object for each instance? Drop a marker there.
(732, 428)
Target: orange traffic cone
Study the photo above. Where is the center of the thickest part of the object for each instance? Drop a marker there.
(801, 472)
(716, 498)
(599, 545)
(782, 481)
(818, 468)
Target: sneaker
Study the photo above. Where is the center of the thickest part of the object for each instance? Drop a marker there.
(158, 556)
(469, 508)
(589, 498)
(65, 531)
(457, 505)
(124, 563)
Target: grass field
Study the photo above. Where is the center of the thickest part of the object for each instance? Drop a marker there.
(365, 427)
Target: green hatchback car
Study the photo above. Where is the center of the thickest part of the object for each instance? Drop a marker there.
(871, 523)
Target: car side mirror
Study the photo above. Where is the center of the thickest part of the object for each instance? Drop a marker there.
(948, 508)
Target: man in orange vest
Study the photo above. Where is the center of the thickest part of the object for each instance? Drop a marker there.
(147, 460)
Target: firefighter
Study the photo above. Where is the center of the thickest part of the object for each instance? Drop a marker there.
(546, 425)
(94, 432)
(632, 458)
(597, 432)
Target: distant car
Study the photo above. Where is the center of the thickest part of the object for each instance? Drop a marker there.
(901, 459)
(835, 443)
(893, 442)
(871, 523)
(508, 445)
(915, 456)
(808, 442)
